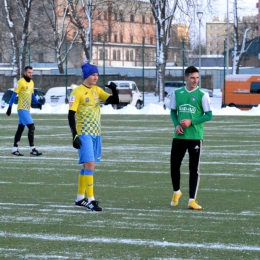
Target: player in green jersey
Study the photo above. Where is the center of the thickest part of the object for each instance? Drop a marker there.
(190, 108)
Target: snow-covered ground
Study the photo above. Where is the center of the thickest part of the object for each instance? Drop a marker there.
(151, 107)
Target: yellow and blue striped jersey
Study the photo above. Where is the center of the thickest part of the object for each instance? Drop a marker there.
(86, 103)
(24, 89)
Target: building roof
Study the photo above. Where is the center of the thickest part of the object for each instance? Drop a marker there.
(209, 60)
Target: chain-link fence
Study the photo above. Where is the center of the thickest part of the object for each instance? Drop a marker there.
(132, 62)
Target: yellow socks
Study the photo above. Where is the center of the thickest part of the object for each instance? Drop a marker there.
(81, 184)
(86, 183)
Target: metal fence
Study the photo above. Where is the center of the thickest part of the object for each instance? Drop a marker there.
(150, 72)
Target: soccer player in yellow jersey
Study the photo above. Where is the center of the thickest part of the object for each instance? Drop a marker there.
(25, 89)
(85, 103)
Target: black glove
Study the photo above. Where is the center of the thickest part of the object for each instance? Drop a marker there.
(9, 111)
(112, 86)
(76, 142)
(40, 106)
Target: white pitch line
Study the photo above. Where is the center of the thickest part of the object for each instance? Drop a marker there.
(125, 211)
(118, 160)
(138, 242)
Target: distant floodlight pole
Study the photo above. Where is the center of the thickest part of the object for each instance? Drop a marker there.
(91, 7)
(104, 64)
(199, 15)
(90, 38)
(143, 69)
(66, 78)
(227, 43)
(29, 53)
(183, 62)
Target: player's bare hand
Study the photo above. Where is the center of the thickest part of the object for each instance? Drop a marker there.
(179, 130)
(185, 123)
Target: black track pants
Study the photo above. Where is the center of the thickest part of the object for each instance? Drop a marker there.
(18, 134)
(179, 148)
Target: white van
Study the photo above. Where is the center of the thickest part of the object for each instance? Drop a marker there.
(136, 99)
(56, 96)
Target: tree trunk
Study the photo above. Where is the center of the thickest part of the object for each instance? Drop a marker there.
(60, 66)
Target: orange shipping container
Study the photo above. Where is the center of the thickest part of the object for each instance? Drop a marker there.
(241, 91)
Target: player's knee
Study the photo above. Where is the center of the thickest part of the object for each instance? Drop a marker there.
(31, 128)
(89, 166)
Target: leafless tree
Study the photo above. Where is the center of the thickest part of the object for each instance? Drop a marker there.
(58, 31)
(238, 55)
(17, 15)
(6, 52)
(164, 11)
(83, 13)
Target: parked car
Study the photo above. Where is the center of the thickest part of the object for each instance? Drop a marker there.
(167, 99)
(57, 95)
(170, 86)
(128, 93)
(40, 95)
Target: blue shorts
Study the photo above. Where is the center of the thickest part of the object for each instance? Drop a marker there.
(91, 148)
(24, 117)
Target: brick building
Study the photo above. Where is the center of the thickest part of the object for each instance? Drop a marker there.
(119, 29)
(216, 32)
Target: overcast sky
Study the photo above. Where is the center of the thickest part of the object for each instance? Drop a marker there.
(245, 7)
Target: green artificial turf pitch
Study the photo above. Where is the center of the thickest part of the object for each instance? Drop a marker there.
(37, 215)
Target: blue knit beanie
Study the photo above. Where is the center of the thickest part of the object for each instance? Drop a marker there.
(88, 69)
